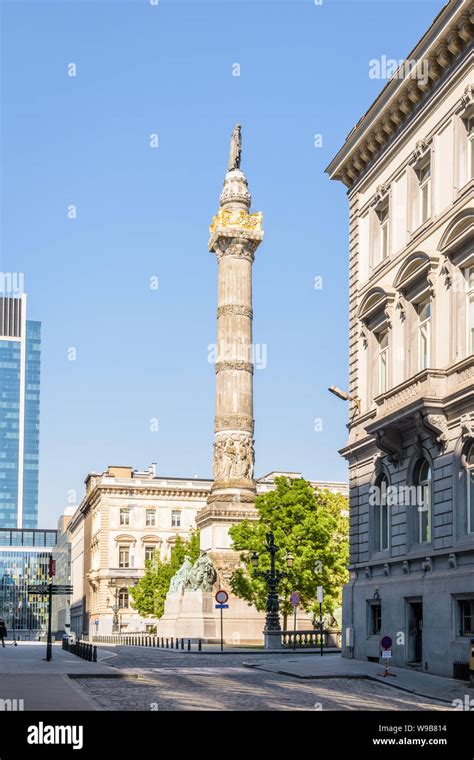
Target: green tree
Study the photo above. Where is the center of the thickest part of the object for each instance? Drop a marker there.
(149, 593)
(313, 527)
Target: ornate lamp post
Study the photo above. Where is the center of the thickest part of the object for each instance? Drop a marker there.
(115, 610)
(273, 578)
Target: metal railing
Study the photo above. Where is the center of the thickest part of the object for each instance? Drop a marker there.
(81, 649)
(148, 640)
(310, 639)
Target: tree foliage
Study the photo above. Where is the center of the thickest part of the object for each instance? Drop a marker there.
(313, 527)
(149, 593)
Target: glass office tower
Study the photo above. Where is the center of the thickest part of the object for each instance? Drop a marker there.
(20, 345)
(24, 564)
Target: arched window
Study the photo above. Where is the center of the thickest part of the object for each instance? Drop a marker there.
(381, 515)
(470, 489)
(423, 481)
(123, 598)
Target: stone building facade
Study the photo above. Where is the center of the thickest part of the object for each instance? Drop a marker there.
(124, 517)
(409, 169)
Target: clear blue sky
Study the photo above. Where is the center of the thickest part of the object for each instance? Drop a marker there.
(144, 212)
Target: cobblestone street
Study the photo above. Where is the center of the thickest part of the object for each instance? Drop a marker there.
(162, 680)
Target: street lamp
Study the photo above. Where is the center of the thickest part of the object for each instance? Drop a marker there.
(345, 396)
(273, 578)
(115, 610)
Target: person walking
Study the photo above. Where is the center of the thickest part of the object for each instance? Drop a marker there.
(3, 632)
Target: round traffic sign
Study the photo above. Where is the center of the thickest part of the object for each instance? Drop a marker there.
(386, 642)
(294, 599)
(221, 597)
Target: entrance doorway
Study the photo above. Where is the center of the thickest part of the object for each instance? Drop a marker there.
(415, 632)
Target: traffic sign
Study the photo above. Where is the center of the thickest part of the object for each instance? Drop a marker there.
(222, 606)
(221, 597)
(386, 655)
(294, 599)
(43, 590)
(320, 595)
(386, 642)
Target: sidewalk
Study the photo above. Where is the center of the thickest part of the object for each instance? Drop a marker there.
(335, 666)
(25, 674)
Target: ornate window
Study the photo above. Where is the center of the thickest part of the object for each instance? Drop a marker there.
(470, 147)
(424, 333)
(124, 556)
(123, 598)
(149, 553)
(415, 284)
(381, 515)
(375, 313)
(470, 489)
(380, 225)
(424, 197)
(469, 278)
(383, 214)
(458, 271)
(383, 357)
(423, 481)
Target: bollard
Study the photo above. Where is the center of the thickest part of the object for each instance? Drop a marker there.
(182, 643)
(200, 645)
(167, 645)
(94, 654)
(189, 645)
(162, 642)
(177, 643)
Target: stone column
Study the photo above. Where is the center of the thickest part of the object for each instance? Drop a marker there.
(235, 235)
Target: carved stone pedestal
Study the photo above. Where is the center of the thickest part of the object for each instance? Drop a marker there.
(192, 615)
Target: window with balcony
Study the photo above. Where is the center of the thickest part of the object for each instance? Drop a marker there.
(124, 516)
(124, 556)
(150, 518)
(176, 518)
(424, 337)
(423, 522)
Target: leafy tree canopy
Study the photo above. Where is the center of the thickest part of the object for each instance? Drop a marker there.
(149, 593)
(313, 527)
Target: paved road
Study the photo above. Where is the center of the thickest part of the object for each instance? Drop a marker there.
(162, 680)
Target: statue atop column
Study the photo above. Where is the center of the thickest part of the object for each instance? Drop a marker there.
(235, 149)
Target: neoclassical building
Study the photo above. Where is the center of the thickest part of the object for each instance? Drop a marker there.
(125, 516)
(408, 166)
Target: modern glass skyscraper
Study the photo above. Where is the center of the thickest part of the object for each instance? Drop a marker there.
(20, 345)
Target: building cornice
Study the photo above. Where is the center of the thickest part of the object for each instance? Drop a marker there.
(447, 41)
